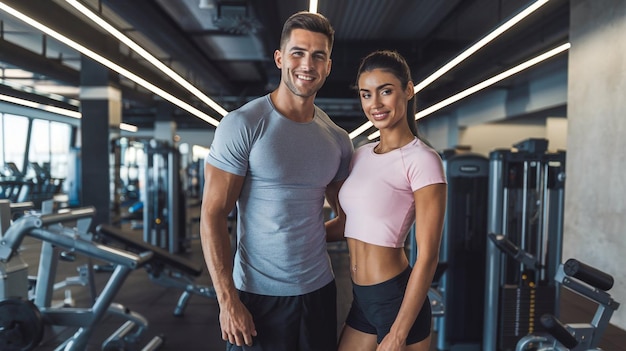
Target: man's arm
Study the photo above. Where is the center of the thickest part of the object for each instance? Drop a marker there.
(335, 227)
(221, 190)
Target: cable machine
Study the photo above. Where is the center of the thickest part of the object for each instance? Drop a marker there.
(149, 187)
(162, 225)
(463, 250)
(526, 192)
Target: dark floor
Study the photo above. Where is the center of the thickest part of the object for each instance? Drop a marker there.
(198, 328)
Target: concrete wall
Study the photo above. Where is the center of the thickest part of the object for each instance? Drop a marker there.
(595, 205)
(485, 138)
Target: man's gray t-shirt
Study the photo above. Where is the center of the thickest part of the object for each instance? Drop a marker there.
(287, 165)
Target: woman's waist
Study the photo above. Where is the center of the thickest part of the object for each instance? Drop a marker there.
(372, 264)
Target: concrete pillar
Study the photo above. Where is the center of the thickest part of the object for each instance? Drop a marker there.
(165, 126)
(595, 205)
(101, 108)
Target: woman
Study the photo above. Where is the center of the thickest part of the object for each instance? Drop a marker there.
(393, 183)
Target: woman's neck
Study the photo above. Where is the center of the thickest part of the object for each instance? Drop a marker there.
(391, 142)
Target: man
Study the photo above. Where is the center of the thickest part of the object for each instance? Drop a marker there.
(277, 158)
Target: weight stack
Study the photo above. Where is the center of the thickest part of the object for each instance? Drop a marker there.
(520, 311)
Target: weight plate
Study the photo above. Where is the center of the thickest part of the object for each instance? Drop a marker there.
(21, 326)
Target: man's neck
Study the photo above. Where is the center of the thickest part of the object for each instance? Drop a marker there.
(296, 108)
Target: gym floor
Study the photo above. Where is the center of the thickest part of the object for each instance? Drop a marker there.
(198, 328)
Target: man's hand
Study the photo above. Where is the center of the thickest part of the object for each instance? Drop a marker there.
(237, 324)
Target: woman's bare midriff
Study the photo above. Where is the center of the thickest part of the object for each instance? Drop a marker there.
(373, 264)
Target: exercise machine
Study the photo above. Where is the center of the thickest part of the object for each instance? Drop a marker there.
(591, 283)
(163, 268)
(22, 318)
(583, 280)
(150, 186)
(526, 202)
(35, 184)
(164, 209)
(463, 251)
(13, 185)
(43, 185)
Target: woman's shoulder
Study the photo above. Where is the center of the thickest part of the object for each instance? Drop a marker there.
(422, 159)
(419, 149)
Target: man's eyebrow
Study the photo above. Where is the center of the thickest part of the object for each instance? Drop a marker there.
(297, 48)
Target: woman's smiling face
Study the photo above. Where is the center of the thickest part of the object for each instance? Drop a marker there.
(383, 98)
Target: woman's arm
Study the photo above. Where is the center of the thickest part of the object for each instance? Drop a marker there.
(430, 207)
(335, 226)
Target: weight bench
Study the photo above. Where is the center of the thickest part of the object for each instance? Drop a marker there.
(163, 268)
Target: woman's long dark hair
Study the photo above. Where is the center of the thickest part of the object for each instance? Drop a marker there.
(394, 63)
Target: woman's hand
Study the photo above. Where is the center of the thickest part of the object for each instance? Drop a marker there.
(392, 342)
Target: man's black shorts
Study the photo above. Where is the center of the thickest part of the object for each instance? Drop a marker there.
(293, 323)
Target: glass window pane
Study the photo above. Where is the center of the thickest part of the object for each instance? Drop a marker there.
(59, 149)
(2, 139)
(15, 130)
(40, 143)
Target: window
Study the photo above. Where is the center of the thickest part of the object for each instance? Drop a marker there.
(50, 146)
(14, 133)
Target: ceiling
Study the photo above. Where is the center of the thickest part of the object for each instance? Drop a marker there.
(225, 48)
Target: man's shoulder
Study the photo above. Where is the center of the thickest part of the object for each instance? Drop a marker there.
(250, 112)
(258, 102)
(323, 117)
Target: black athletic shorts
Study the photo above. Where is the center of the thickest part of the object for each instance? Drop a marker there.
(293, 323)
(375, 307)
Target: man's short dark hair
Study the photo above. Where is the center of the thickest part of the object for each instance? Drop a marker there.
(310, 21)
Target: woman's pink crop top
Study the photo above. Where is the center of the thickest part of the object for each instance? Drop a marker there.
(378, 198)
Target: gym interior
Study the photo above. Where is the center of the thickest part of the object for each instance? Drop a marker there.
(108, 109)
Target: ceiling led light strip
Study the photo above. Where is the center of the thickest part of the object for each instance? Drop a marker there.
(33, 104)
(128, 127)
(111, 65)
(478, 45)
(485, 84)
(472, 49)
(146, 55)
(361, 129)
(56, 110)
(313, 6)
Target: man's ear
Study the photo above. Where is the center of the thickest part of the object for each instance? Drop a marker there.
(330, 65)
(278, 59)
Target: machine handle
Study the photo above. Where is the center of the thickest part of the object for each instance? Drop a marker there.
(554, 326)
(22, 206)
(588, 274)
(70, 215)
(508, 247)
(504, 244)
